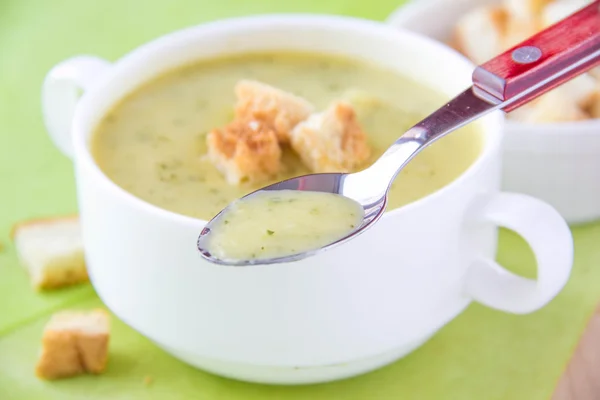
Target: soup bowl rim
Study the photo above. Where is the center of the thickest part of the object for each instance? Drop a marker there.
(490, 126)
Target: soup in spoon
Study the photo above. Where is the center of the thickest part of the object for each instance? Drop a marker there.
(281, 223)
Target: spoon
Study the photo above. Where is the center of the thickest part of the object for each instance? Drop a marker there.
(533, 67)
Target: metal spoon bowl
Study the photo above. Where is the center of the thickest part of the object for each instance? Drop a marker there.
(329, 183)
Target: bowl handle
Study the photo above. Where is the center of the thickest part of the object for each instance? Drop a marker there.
(62, 88)
(549, 237)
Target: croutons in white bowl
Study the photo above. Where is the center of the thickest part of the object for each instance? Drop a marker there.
(551, 147)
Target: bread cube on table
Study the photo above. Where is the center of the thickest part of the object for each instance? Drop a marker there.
(277, 108)
(73, 343)
(331, 141)
(51, 250)
(245, 151)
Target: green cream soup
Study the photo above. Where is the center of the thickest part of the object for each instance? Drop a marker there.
(280, 223)
(153, 143)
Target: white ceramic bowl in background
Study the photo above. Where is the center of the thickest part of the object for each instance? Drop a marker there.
(558, 163)
(346, 311)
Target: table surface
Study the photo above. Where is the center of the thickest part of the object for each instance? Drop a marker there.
(581, 379)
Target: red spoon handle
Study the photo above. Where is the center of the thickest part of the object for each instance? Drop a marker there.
(544, 61)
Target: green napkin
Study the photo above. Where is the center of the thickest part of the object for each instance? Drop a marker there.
(483, 354)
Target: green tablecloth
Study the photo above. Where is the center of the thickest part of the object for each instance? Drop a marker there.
(483, 354)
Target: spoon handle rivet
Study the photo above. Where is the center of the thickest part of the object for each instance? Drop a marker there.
(526, 54)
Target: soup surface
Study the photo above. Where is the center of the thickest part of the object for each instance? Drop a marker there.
(153, 143)
(281, 223)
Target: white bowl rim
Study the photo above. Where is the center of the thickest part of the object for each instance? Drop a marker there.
(494, 121)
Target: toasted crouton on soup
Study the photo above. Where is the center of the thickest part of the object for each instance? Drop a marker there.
(331, 141)
(51, 250)
(73, 343)
(245, 151)
(279, 109)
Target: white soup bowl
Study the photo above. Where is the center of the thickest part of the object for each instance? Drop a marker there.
(342, 312)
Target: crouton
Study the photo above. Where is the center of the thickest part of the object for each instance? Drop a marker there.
(331, 141)
(525, 9)
(549, 108)
(595, 73)
(580, 89)
(560, 9)
(594, 109)
(52, 251)
(277, 108)
(74, 342)
(479, 34)
(566, 102)
(517, 30)
(245, 151)
(593, 105)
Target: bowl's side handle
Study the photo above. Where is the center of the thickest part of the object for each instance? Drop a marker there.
(549, 238)
(61, 91)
